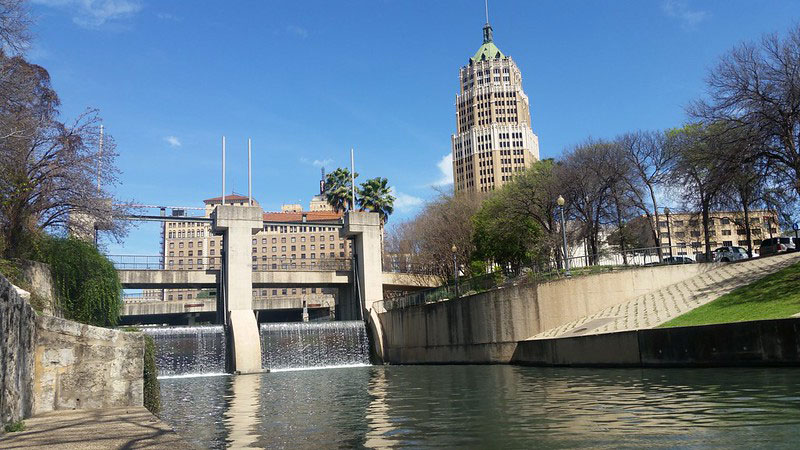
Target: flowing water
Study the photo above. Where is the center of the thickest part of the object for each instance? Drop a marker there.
(493, 406)
(313, 345)
(188, 351)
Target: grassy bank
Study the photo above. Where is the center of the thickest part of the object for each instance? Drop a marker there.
(775, 296)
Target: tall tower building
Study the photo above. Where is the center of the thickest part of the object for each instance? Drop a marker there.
(493, 140)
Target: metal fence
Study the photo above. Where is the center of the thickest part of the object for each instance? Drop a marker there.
(157, 262)
(608, 260)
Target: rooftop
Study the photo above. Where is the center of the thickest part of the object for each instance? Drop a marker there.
(488, 50)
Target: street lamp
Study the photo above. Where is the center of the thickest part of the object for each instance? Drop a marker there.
(669, 232)
(454, 249)
(560, 200)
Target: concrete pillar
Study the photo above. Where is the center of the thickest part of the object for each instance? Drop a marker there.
(238, 224)
(365, 229)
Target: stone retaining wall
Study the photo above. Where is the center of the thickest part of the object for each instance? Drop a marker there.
(17, 340)
(48, 363)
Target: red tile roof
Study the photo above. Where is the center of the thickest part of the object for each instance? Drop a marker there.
(311, 216)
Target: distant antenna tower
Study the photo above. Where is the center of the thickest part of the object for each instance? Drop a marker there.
(487, 10)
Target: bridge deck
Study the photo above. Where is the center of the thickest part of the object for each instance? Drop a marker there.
(197, 279)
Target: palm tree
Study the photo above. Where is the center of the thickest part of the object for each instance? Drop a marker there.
(338, 191)
(375, 196)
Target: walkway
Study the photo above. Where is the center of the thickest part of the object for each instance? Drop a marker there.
(657, 307)
(113, 428)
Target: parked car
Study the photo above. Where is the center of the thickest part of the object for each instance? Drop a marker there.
(773, 246)
(729, 254)
(678, 260)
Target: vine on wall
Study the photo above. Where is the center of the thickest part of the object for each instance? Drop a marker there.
(86, 281)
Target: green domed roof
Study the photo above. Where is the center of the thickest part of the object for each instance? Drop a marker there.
(488, 50)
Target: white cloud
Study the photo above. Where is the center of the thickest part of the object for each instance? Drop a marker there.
(172, 141)
(316, 162)
(445, 166)
(95, 13)
(297, 31)
(167, 16)
(679, 9)
(404, 202)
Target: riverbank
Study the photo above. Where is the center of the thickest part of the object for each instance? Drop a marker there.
(110, 428)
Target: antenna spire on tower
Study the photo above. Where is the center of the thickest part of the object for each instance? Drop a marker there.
(487, 10)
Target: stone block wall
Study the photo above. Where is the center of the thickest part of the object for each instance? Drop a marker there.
(48, 363)
(79, 366)
(17, 339)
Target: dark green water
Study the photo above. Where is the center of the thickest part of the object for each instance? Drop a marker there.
(489, 407)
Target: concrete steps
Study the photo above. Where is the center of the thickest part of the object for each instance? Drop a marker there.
(662, 305)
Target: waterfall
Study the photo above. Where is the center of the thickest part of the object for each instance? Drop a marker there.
(305, 345)
(194, 350)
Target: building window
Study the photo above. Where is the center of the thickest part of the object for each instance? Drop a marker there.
(726, 232)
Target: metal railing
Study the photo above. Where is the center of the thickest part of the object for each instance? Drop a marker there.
(158, 262)
(301, 265)
(609, 259)
(398, 265)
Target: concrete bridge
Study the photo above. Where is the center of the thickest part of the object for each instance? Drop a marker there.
(199, 279)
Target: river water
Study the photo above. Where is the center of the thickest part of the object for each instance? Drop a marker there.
(488, 407)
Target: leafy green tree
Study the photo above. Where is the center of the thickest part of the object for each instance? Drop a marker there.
(87, 284)
(338, 189)
(376, 196)
(503, 237)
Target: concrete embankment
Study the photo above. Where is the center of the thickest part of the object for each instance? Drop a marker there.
(757, 343)
(485, 328)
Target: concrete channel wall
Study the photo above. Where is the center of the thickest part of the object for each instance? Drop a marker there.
(485, 328)
(758, 343)
(48, 363)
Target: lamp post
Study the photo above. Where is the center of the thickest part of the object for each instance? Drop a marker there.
(561, 202)
(669, 232)
(454, 249)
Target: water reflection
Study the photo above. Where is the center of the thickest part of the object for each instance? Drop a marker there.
(490, 406)
(242, 417)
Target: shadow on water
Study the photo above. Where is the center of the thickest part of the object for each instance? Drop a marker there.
(488, 406)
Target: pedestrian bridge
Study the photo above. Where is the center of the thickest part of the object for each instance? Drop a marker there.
(199, 279)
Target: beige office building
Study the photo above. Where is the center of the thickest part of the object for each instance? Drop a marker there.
(493, 140)
(291, 239)
(726, 228)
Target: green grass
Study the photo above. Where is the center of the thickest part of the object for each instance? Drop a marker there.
(775, 296)
(14, 427)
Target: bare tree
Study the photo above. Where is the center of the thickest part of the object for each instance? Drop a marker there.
(50, 173)
(428, 239)
(588, 176)
(15, 22)
(698, 175)
(651, 162)
(756, 88)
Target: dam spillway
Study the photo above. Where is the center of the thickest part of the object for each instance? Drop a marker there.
(189, 351)
(313, 345)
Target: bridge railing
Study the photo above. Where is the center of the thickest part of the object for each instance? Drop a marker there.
(158, 262)
(294, 264)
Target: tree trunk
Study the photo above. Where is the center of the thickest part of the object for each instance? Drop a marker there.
(746, 209)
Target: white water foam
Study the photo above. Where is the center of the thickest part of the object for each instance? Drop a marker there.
(193, 375)
(297, 369)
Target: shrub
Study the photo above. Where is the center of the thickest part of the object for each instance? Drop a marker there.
(14, 427)
(86, 281)
(152, 389)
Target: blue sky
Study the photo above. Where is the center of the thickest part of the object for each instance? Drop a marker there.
(307, 80)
